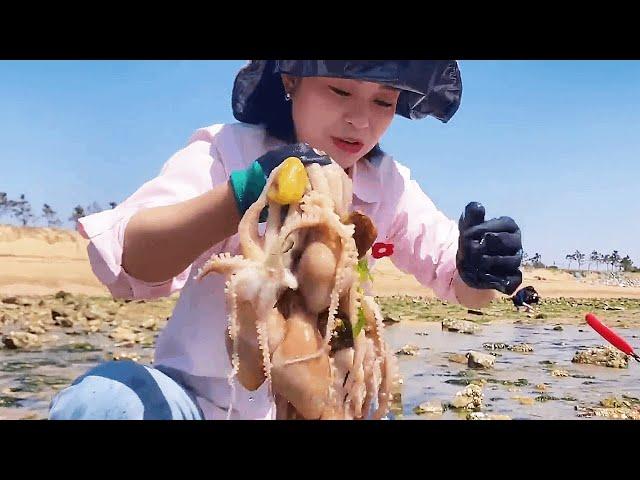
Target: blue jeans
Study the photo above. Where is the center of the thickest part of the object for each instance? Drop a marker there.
(125, 390)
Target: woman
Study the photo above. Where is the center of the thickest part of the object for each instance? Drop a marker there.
(152, 243)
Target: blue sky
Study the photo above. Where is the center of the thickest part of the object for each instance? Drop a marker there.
(554, 144)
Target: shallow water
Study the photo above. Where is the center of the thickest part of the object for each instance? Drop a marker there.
(29, 379)
(425, 375)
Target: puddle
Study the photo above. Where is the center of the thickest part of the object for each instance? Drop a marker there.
(430, 377)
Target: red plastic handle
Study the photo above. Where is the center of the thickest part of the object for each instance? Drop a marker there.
(612, 337)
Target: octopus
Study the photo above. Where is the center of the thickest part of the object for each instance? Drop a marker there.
(298, 315)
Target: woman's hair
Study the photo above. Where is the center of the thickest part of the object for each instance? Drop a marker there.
(278, 119)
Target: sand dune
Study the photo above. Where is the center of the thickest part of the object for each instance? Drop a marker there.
(40, 261)
(549, 283)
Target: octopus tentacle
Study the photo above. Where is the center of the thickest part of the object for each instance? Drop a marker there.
(263, 343)
(233, 334)
(225, 264)
(251, 243)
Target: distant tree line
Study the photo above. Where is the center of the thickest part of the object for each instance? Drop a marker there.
(20, 209)
(614, 260)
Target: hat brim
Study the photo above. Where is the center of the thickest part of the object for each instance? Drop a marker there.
(428, 87)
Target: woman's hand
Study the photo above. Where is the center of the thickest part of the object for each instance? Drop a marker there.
(489, 252)
(248, 184)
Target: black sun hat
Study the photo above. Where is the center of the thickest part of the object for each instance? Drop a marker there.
(428, 87)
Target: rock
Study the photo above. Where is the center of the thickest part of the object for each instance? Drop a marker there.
(559, 373)
(123, 334)
(476, 416)
(5, 318)
(36, 329)
(458, 358)
(390, 319)
(631, 400)
(541, 387)
(17, 340)
(480, 360)
(468, 399)
(396, 404)
(520, 382)
(485, 416)
(65, 322)
(74, 332)
(461, 326)
(615, 413)
(150, 324)
(95, 323)
(608, 307)
(494, 346)
(524, 400)
(545, 398)
(11, 410)
(125, 356)
(558, 328)
(475, 312)
(434, 408)
(78, 347)
(92, 329)
(605, 356)
(458, 381)
(93, 313)
(613, 402)
(61, 294)
(18, 301)
(408, 350)
(63, 317)
(146, 341)
(521, 348)
(59, 312)
(15, 301)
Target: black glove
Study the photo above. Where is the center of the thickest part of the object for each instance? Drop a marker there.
(489, 253)
(248, 184)
(307, 155)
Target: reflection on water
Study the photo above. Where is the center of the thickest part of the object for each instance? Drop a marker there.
(430, 376)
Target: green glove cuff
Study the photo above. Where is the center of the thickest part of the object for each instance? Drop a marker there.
(247, 185)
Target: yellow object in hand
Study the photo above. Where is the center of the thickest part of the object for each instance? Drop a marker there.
(290, 183)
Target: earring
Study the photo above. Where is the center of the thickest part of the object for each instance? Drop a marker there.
(287, 97)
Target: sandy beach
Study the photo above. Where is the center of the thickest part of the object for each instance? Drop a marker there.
(42, 261)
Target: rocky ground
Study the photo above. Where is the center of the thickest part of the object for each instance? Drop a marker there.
(48, 341)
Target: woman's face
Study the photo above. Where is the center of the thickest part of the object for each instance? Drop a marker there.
(344, 118)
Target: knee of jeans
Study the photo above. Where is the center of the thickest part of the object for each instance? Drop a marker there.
(123, 390)
(96, 397)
